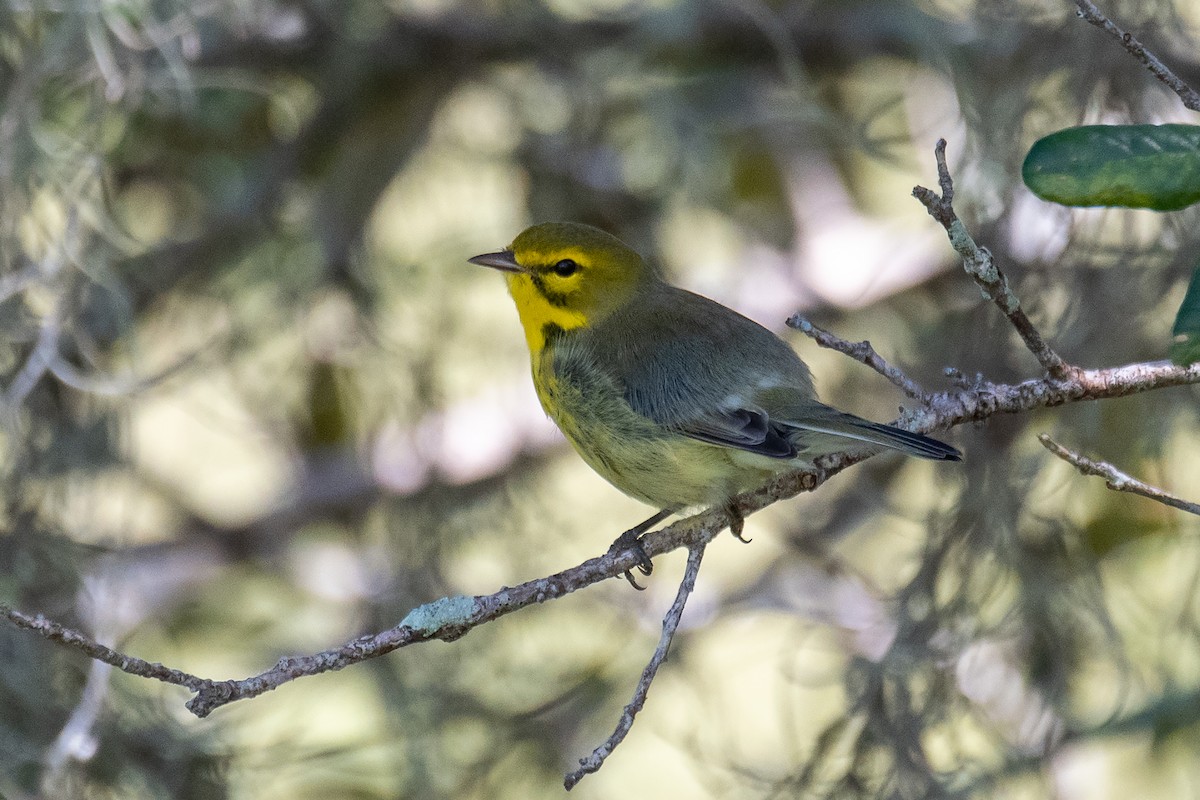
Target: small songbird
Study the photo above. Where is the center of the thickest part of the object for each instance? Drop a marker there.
(673, 398)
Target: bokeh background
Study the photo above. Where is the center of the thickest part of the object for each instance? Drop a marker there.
(255, 403)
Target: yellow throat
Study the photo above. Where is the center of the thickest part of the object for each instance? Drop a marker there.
(537, 313)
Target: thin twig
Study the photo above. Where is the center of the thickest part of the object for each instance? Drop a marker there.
(77, 640)
(980, 265)
(1114, 478)
(670, 624)
(448, 618)
(862, 352)
(1189, 96)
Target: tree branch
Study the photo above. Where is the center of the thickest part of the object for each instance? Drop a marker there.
(1189, 96)
(670, 624)
(1114, 478)
(452, 617)
(980, 265)
(76, 640)
(447, 618)
(985, 399)
(862, 352)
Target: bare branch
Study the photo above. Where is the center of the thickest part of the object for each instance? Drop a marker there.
(1114, 478)
(862, 352)
(984, 399)
(980, 265)
(1189, 96)
(670, 624)
(450, 618)
(74, 639)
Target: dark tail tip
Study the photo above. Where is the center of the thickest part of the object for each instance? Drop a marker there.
(918, 444)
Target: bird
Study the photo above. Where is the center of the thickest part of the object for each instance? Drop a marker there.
(676, 400)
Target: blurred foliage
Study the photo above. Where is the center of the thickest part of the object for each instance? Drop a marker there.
(254, 401)
(1185, 344)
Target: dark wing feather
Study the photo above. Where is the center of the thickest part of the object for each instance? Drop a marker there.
(743, 428)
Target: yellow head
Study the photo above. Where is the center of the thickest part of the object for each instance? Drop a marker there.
(563, 275)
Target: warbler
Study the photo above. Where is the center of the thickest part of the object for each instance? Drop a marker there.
(673, 398)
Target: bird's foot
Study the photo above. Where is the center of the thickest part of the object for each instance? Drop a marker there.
(632, 540)
(736, 523)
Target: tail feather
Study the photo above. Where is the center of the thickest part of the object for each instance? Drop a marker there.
(916, 444)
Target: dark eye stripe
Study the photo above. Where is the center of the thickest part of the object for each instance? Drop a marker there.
(554, 298)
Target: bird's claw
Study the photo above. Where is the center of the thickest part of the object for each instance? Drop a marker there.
(632, 540)
(737, 524)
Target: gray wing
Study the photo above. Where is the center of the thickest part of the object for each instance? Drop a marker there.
(693, 366)
(743, 428)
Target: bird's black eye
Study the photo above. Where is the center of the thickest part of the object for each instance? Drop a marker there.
(565, 268)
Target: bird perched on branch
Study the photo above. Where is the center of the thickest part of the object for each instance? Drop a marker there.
(673, 398)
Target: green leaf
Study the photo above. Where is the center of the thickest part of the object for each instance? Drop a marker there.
(1133, 166)
(1185, 343)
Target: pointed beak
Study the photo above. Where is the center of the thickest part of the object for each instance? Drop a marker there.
(503, 260)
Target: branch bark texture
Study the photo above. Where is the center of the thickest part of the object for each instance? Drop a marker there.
(981, 266)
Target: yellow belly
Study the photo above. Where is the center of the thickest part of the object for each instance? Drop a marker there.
(644, 460)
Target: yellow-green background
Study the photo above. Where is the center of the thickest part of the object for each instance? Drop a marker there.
(284, 410)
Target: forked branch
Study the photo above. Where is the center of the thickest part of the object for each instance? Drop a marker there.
(981, 266)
